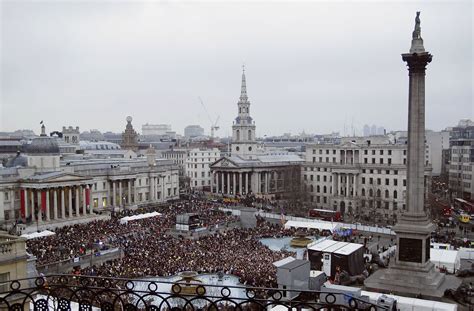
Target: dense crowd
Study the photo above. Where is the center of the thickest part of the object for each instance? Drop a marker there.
(149, 249)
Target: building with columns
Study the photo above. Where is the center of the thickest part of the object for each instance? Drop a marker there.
(39, 187)
(249, 170)
(358, 177)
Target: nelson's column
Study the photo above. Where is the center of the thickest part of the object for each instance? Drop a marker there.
(412, 273)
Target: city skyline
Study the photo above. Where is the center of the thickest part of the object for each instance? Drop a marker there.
(123, 61)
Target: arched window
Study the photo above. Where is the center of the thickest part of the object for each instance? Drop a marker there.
(363, 192)
(379, 193)
(386, 194)
(371, 193)
(250, 135)
(238, 135)
(311, 188)
(395, 194)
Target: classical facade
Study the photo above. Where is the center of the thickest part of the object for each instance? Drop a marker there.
(41, 187)
(130, 137)
(249, 170)
(358, 177)
(198, 168)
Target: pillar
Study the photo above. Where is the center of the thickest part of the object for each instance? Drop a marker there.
(114, 194)
(334, 185)
(25, 195)
(134, 184)
(55, 204)
(354, 186)
(47, 205)
(33, 214)
(84, 198)
(90, 200)
(234, 188)
(70, 201)
(63, 209)
(228, 182)
(120, 192)
(77, 201)
(267, 179)
(40, 212)
(247, 183)
(241, 189)
(222, 181)
(348, 181)
(130, 191)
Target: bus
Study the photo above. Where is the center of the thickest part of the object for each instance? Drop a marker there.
(464, 205)
(325, 214)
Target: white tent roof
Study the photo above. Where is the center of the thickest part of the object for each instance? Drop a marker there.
(414, 304)
(124, 220)
(35, 235)
(320, 225)
(444, 255)
(283, 261)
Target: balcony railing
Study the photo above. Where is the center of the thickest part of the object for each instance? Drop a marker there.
(68, 292)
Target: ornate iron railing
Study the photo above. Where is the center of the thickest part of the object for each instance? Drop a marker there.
(68, 292)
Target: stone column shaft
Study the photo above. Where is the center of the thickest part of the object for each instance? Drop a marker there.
(63, 209)
(55, 207)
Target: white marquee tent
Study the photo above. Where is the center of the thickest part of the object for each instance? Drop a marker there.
(125, 220)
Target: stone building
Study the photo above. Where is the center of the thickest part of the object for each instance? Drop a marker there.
(40, 187)
(178, 156)
(197, 167)
(71, 135)
(358, 177)
(129, 137)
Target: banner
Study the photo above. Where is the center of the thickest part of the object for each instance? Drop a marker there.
(88, 198)
(43, 201)
(22, 203)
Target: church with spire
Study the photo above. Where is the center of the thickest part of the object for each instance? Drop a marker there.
(244, 143)
(249, 170)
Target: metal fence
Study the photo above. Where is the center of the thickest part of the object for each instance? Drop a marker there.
(67, 292)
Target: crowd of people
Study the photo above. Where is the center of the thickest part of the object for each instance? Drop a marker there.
(150, 250)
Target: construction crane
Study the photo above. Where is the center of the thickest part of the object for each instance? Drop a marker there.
(214, 126)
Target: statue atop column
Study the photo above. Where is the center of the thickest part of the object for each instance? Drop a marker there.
(417, 31)
(417, 41)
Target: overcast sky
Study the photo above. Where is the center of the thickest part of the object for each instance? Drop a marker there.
(311, 66)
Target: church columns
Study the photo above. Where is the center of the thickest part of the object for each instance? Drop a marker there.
(234, 188)
(348, 188)
(130, 191)
(241, 188)
(222, 182)
(247, 183)
(40, 206)
(89, 193)
(114, 194)
(120, 193)
(55, 204)
(228, 183)
(354, 187)
(334, 186)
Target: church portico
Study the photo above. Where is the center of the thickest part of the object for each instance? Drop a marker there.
(262, 176)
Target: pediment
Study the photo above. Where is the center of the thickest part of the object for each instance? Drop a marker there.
(56, 177)
(223, 163)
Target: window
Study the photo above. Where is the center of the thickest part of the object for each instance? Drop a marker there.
(381, 152)
(395, 182)
(390, 152)
(389, 161)
(318, 189)
(373, 160)
(371, 181)
(387, 195)
(311, 177)
(395, 194)
(311, 188)
(363, 180)
(379, 181)
(6, 196)
(250, 135)
(238, 135)
(373, 152)
(365, 152)
(387, 182)
(365, 160)
(317, 178)
(381, 160)
(324, 190)
(324, 178)
(404, 183)
(4, 278)
(363, 192)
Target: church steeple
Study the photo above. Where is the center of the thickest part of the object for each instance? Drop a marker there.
(243, 88)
